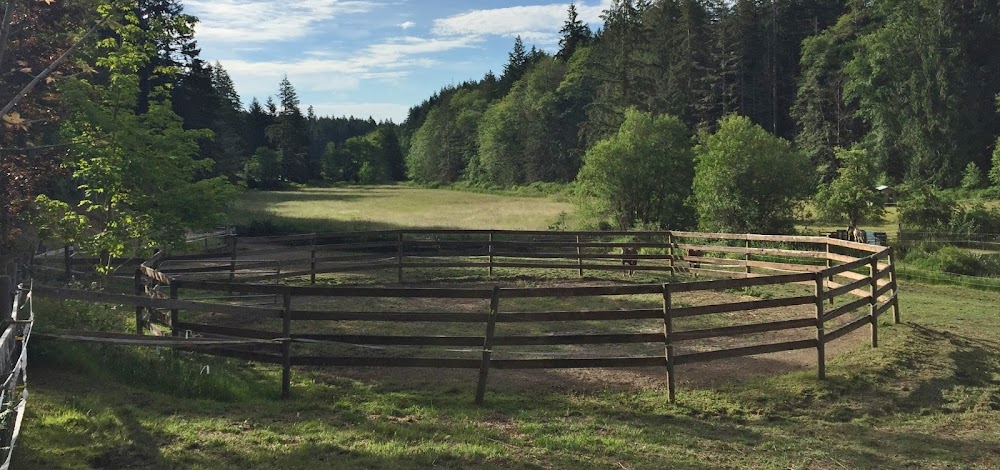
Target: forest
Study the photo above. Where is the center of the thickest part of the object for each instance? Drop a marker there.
(715, 114)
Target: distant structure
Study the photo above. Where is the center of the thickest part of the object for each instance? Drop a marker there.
(888, 194)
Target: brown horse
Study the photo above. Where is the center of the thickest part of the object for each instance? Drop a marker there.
(630, 255)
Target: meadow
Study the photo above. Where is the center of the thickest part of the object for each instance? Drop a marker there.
(339, 208)
(928, 397)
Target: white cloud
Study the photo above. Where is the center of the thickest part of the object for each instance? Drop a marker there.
(407, 24)
(388, 62)
(246, 21)
(534, 23)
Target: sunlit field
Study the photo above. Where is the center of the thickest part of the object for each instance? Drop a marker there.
(389, 207)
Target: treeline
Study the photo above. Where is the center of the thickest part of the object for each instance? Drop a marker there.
(908, 84)
(269, 145)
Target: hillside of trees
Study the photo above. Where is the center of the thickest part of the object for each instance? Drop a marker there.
(910, 84)
(675, 113)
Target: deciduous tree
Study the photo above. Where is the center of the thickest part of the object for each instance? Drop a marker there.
(747, 180)
(642, 174)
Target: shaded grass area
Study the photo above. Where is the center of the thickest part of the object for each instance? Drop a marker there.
(355, 208)
(928, 397)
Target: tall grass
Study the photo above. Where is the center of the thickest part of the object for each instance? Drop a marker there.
(179, 374)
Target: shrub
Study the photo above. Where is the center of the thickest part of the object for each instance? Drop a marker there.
(747, 180)
(642, 174)
(951, 259)
(972, 177)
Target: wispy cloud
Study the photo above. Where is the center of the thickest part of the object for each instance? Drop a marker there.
(246, 21)
(407, 24)
(389, 62)
(534, 23)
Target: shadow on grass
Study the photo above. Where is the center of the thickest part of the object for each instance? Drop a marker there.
(140, 452)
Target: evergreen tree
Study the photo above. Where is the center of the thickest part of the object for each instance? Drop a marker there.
(290, 135)
(924, 86)
(518, 61)
(170, 33)
(575, 33)
(622, 69)
(258, 119)
(825, 118)
(725, 61)
(231, 155)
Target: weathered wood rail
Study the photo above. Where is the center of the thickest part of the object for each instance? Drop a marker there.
(825, 271)
(16, 330)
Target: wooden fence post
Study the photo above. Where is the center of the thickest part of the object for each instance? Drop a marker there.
(579, 255)
(746, 257)
(174, 313)
(67, 261)
(490, 251)
(491, 323)
(820, 329)
(829, 264)
(873, 304)
(668, 345)
(399, 256)
(140, 323)
(895, 287)
(670, 251)
(232, 263)
(286, 344)
(312, 262)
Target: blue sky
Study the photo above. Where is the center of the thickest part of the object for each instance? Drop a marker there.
(371, 57)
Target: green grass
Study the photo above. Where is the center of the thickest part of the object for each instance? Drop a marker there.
(392, 207)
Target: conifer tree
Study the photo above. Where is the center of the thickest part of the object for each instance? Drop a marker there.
(289, 134)
(575, 33)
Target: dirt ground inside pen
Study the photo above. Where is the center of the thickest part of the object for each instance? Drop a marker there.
(710, 374)
(698, 375)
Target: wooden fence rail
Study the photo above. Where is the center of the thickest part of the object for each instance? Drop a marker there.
(832, 269)
(16, 327)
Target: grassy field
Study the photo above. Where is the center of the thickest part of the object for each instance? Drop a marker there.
(391, 207)
(928, 397)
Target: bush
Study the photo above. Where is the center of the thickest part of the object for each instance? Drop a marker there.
(642, 174)
(972, 177)
(954, 260)
(747, 180)
(852, 193)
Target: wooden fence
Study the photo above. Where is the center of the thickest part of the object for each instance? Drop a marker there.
(16, 327)
(861, 276)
